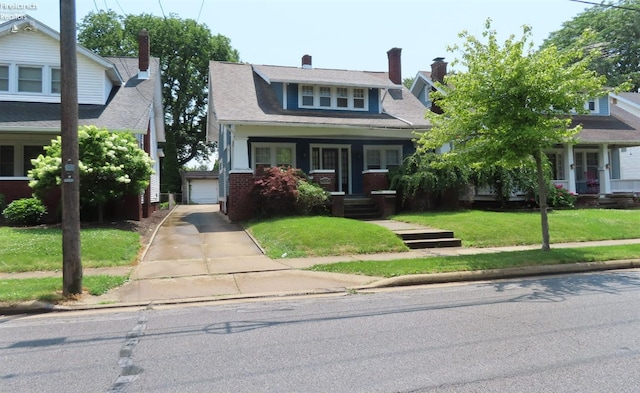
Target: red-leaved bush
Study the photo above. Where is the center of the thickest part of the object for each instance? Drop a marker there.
(275, 191)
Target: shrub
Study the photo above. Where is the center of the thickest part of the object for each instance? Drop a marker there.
(26, 211)
(276, 190)
(558, 196)
(311, 198)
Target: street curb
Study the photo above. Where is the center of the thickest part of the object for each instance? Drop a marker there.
(38, 307)
(496, 274)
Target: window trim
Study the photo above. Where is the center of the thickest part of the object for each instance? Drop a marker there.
(334, 97)
(18, 79)
(273, 146)
(383, 157)
(8, 79)
(46, 79)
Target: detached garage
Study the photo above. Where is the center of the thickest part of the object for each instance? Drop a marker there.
(199, 187)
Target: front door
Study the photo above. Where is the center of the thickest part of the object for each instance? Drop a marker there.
(335, 158)
(587, 181)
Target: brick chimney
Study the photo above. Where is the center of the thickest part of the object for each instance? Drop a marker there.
(395, 67)
(144, 52)
(306, 61)
(438, 69)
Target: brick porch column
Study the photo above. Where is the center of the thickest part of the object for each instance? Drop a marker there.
(325, 178)
(239, 204)
(375, 180)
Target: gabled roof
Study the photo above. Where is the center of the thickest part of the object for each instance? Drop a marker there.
(423, 78)
(29, 22)
(128, 107)
(238, 95)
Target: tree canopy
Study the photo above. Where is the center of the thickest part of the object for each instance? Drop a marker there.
(184, 48)
(616, 37)
(111, 166)
(510, 104)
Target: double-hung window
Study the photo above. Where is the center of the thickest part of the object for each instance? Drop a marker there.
(4, 78)
(56, 87)
(266, 155)
(333, 97)
(6, 160)
(382, 157)
(29, 79)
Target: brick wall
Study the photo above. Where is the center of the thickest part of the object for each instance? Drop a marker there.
(375, 181)
(238, 203)
(325, 179)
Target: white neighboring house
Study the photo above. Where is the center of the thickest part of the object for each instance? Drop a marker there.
(116, 93)
(606, 158)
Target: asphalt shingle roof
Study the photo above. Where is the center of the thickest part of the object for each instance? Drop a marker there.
(621, 128)
(127, 108)
(240, 95)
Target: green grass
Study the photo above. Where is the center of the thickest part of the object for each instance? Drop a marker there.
(34, 249)
(322, 236)
(490, 229)
(501, 260)
(50, 289)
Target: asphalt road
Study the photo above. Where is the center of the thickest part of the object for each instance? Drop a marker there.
(575, 333)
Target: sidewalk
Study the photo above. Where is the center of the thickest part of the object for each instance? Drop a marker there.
(196, 254)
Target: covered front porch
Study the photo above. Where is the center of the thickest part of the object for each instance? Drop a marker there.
(593, 169)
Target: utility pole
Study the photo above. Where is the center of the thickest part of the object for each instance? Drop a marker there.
(71, 264)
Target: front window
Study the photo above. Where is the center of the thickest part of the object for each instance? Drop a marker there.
(4, 78)
(382, 157)
(6, 161)
(266, 155)
(29, 153)
(29, 79)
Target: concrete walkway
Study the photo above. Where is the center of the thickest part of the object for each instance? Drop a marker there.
(196, 254)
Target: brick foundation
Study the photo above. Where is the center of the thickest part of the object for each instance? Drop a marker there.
(239, 205)
(375, 180)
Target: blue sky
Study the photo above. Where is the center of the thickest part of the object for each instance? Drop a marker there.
(346, 34)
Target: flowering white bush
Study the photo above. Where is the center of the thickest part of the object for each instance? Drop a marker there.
(111, 166)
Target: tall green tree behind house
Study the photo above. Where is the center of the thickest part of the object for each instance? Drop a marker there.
(510, 105)
(616, 38)
(184, 48)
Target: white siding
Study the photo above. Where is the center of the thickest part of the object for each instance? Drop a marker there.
(154, 183)
(630, 163)
(39, 49)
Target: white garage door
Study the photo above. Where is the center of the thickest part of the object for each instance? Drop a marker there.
(204, 191)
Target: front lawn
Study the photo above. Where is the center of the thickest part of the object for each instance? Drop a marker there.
(479, 228)
(293, 237)
(49, 289)
(401, 267)
(40, 249)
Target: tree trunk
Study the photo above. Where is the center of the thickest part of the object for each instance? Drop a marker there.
(542, 196)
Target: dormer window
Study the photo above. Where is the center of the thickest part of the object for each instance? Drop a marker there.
(330, 97)
(29, 79)
(592, 106)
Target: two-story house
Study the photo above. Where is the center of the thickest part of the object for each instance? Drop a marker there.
(344, 128)
(600, 163)
(116, 93)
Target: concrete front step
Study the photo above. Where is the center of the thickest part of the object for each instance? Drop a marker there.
(360, 209)
(433, 243)
(428, 238)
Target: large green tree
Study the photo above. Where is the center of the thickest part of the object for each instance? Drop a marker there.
(111, 166)
(184, 48)
(616, 28)
(510, 104)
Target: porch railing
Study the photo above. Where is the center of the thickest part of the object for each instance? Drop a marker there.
(625, 185)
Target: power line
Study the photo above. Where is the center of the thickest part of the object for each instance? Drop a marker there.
(200, 12)
(622, 7)
(96, 5)
(162, 9)
(119, 6)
